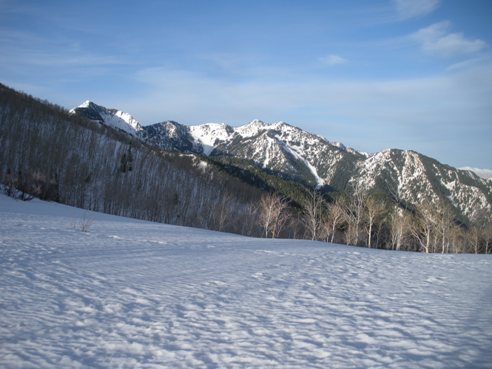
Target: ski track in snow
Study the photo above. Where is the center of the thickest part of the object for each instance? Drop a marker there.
(133, 294)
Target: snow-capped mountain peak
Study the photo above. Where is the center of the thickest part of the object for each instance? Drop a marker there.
(86, 104)
(111, 117)
(252, 128)
(209, 135)
(294, 153)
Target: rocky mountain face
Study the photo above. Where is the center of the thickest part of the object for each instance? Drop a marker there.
(288, 151)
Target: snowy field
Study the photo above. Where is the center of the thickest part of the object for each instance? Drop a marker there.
(132, 294)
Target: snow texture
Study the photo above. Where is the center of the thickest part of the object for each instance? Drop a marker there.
(134, 294)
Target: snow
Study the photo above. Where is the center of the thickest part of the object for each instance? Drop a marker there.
(134, 294)
(85, 104)
(251, 129)
(121, 120)
(128, 119)
(209, 134)
(319, 181)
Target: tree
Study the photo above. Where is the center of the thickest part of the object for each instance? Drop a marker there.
(312, 214)
(474, 236)
(272, 214)
(444, 222)
(487, 236)
(375, 208)
(399, 227)
(422, 226)
(457, 239)
(354, 215)
(334, 219)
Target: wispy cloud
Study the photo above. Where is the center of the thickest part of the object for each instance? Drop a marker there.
(484, 173)
(182, 93)
(424, 114)
(332, 59)
(25, 48)
(407, 9)
(438, 40)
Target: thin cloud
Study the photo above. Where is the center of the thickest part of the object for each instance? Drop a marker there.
(332, 59)
(24, 48)
(424, 114)
(484, 173)
(195, 97)
(407, 9)
(437, 40)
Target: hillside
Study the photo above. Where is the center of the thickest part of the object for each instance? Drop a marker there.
(133, 294)
(60, 156)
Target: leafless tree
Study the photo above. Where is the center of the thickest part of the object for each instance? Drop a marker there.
(272, 214)
(399, 228)
(375, 208)
(423, 226)
(334, 219)
(354, 216)
(312, 214)
(487, 236)
(457, 239)
(474, 234)
(444, 219)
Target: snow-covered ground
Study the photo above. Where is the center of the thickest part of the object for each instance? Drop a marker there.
(133, 294)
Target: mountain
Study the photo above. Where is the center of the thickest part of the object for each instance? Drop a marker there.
(52, 154)
(405, 176)
(112, 117)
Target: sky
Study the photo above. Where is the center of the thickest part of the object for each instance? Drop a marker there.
(408, 74)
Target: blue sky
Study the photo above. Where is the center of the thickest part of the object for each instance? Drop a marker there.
(410, 74)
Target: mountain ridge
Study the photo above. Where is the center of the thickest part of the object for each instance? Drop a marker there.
(289, 151)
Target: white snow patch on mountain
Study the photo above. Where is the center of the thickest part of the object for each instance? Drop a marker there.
(209, 135)
(112, 117)
(85, 104)
(251, 129)
(121, 120)
(135, 294)
(319, 181)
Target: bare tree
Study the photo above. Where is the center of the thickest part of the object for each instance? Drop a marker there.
(334, 219)
(312, 215)
(444, 222)
(272, 214)
(399, 227)
(487, 236)
(423, 226)
(375, 208)
(457, 239)
(354, 215)
(474, 236)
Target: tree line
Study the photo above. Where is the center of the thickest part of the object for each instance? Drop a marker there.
(371, 220)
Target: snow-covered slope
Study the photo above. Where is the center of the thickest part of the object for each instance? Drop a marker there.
(134, 294)
(112, 117)
(210, 135)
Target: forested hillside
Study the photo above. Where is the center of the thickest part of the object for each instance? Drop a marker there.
(49, 153)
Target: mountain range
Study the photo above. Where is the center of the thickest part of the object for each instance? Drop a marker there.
(406, 176)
